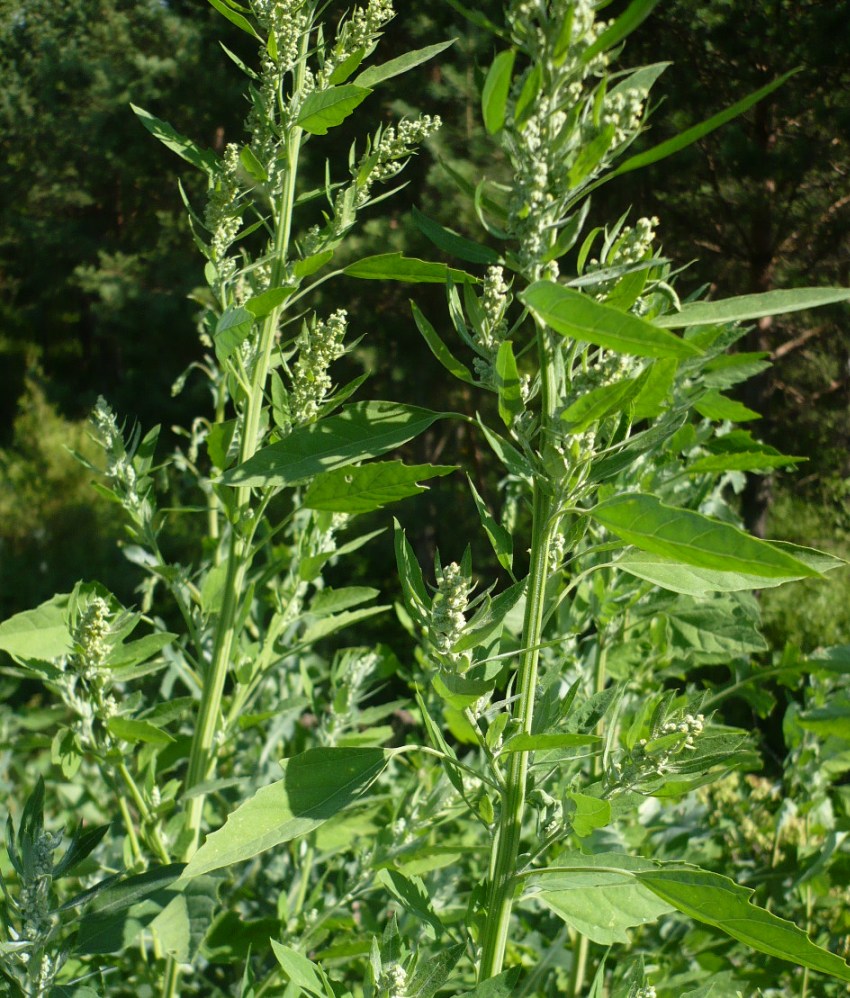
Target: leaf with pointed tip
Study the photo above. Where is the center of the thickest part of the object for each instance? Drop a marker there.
(579, 316)
(395, 67)
(358, 432)
(317, 784)
(508, 384)
(452, 243)
(397, 267)
(718, 901)
(439, 349)
(694, 539)
(497, 85)
(235, 18)
(369, 486)
(746, 307)
(325, 109)
(633, 16)
(203, 159)
(40, 634)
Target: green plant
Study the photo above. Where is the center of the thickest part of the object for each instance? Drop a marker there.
(550, 702)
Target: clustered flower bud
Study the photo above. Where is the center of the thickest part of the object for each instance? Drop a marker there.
(319, 347)
(223, 217)
(623, 109)
(690, 726)
(358, 32)
(90, 638)
(448, 611)
(393, 980)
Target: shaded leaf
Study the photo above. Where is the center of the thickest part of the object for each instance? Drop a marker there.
(397, 267)
(497, 85)
(439, 349)
(744, 307)
(324, 109)
(452, 243)
(203, 159)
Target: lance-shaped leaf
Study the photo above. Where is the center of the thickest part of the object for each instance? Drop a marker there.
(324, 109)
(508, 384)
(203, 159)
(395, 67)
(40, 634)
(693, 539)
(497, 85)
(371, 486)
(715, 900)
(692, 581)
(235, 18)
(577, 315)
(633, 16)
(745, 307)
(439, 349)
(316, 785)
(360, 431)
(601, 402)
(452, 243)
(396, 267)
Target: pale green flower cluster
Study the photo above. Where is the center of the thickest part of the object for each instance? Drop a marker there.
(319, 347)
(223, 215)
(90, 638)
(448, 611)
(119, 466)
(622, 109)
(393, 980)
(357, 32)
(287, 21)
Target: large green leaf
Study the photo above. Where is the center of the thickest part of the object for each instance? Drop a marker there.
(745, 307)
(694, 539)
(395, 67)
(574, 314)
(715, 900)
(497, 85)
(40, 634)
(599, 896)
(360, 431)
(316, 785)
(370, 486)
(324, 109)
(452, 243)
(203, 159)
(693, 581)
(396, 267)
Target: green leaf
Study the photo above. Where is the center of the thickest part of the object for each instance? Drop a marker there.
(396, 267)
(137, 731)
(370, 486)
(599, 897)
(500, 539)
(694, 539)
(203, 159)
(528, 95)
(750, 460)
(139, 651)
(395, 67)
(692, 581)
(40, 634)
(235, 18)
(577, 315)
(508, 384)
(411, 893)
(328, 600)
(439, 349)
(265, 303)
(715, 900)
(120, 911)
(450, 242)
(696, 132)
(336, 622)
(633, 16)
(416, 597)
(316, 785)
(714, 405)
(431, 974)
(547, 742)
(300, 970)
(359, 431)
(324, 109)
(601, 402)
(183, 923)
(501, 986)
(745, 307)
(233, 326)
(590, 813)
(497, 85)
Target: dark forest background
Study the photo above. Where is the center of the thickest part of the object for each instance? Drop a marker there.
(97, 263)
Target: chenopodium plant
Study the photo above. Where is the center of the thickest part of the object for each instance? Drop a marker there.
(544, 736)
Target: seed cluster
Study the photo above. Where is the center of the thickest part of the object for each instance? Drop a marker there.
(319, 347)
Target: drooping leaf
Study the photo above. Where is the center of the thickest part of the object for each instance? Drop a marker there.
(452, 243)
(235, 18)
(358, 432)
(324, 109)
(579, 316)
(500, 539)
(693, 581)
(137, 731)
(317, 784)
(439, 349)
(395, 67)
(718, 901)
(203, 159)
(185, 920)
(40, 634)
(497, 85)
(694, 539)
(234, 326)
(369, 486)
(746, 307)
(599, 897)
(397, 267)
(411, 893)
(262, 304)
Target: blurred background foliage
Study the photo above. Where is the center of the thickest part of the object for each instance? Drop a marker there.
(97, 262)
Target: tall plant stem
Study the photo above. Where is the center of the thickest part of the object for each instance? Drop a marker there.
(503, 860)
(202, 757)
